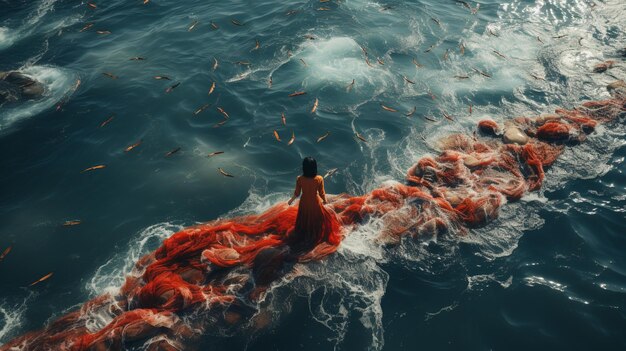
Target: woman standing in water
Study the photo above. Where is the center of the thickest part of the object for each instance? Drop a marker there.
(315, 224)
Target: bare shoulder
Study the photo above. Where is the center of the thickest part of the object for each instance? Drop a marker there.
(319, 178)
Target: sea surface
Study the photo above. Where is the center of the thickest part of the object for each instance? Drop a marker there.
(549, 274)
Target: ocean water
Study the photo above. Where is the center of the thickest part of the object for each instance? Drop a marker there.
(550, 273)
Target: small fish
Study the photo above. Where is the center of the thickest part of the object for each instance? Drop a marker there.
(146, 1)
(430, 119)
(224, 173)
(162, 78)
(364, 50)
(499, 54)
(539, 39)
(170, 153)
(417, 64)
(380, 61)
(360, 137)
(103, 32)
(45, 277)
(432, 96)
(71, 223)
(304, 63)
(283, 119)
(291, 12)
(235, 22)
(536, 76)
(192, 26)
(492, 33)
(276, 136)
(350, 86)
(297, 93)
(323, 137)
(447, 116)
(215, 64)
(169, 90)
(368, 62)
(462, 77)
(467, 5)
(430, 48)
(481, 73)
(221, 110)
(292, 139)
(410, 113)
(215, 153)
(107, 121)
(212, 88)
(436, 21)
(214, 26)
(131, 147)
(462, 48)
(137, 58)
(201, 108)
(257, 46)
(330, 172)
(219, 124)
(408, 80)
(6, 252)
(93, 168)
(323, 9)
(243, 63)
(87, 26)
(269, 82)
(386, 108)
(560, 36)
(446, 54)
(92, 5)
(109, 75)
(315, 105)
(470, 109)
(580, 41)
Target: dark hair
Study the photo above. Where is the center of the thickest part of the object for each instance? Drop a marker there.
(309, 167)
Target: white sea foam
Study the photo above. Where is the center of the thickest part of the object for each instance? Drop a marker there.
(12, 317)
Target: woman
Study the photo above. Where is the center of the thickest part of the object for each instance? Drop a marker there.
(314, 223)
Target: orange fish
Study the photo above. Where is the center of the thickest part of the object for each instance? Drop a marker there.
(323, 137)
(109, 75)
(224, 173)
(92, 5)
(410, 113)
(269, 82)
(417, 64)
(276, 135)
(108, 120)
(103, 32)
(133, 146)
(93, 168)
(215, 64)
(45, 277)
(212, 88)
(169, 90)
(360, 137)
(219, 124)
(221, 110)
(408, 80)
(162, 78)
(214, 26)
(215, 153)
(386, 108)
(297, 93)
(350, 86)
(292, 139)
(202, 108)
(235, 22)
(315, 106)
(87, 26)
(6, 252)
(257, 46)
(71, 223)
(447, 116)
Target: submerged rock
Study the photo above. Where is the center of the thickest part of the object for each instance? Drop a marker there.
(602, 67)
(514, 135)
(16, 86)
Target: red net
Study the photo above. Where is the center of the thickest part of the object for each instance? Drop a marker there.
(203, 276)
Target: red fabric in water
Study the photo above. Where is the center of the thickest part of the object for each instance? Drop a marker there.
(190, 273)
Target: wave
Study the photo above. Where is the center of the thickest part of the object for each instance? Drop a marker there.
(58, 83)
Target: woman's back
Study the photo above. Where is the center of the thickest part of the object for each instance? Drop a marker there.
(310, 187)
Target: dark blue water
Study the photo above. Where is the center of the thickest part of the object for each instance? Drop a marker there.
(550, 273)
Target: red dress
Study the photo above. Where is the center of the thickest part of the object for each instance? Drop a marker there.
(315, 224)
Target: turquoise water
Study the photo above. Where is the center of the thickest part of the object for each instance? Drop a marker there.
(549, 273)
